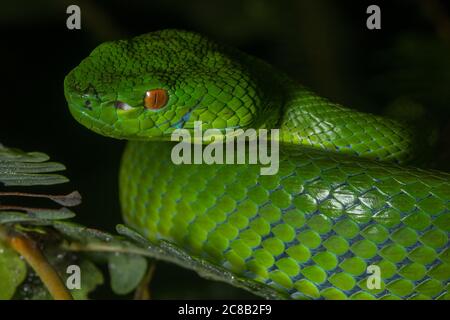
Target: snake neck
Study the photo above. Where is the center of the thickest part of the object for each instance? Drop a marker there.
(306, 119)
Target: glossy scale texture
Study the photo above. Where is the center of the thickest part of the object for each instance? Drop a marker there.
(310, 231)
(337, 205)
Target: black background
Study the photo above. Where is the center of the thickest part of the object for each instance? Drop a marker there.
(324, 44)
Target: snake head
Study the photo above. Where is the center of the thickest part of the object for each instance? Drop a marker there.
(146, 87)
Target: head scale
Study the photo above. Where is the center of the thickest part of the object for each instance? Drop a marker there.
(146, 87)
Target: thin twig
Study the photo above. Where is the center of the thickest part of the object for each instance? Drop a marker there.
(36, 259)
(143, 290)
(99, 247)
(68, 200)
(26, 209)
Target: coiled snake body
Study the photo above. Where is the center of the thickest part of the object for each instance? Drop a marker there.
(340, 203)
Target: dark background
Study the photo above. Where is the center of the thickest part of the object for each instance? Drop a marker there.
(323, 43)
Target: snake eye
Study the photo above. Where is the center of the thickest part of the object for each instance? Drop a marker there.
(155, 99)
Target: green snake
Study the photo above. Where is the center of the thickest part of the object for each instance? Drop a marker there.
(343, 200)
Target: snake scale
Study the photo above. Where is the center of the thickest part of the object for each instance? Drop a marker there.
(344, 198)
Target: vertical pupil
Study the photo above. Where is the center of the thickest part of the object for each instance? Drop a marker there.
(155, 99)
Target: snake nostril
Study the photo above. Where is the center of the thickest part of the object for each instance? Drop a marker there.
(88, 104)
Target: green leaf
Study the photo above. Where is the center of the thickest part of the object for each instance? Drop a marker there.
(126, 271)
(13, 271)
(19, 179)
(78, 232)
(39, 216)
(18, 168)
(49, 214)
(70, 200)
(13, 154)
(91, 277)
(14, 217)
(167, 251)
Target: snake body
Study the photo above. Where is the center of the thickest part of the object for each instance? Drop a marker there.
(342, 201)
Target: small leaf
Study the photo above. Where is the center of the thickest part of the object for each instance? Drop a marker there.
(91, 277)
(12, 154)
(131, 234)
(14, 216)
(31, 167)
(13, 271)
(126, 271)
(18, 168)
(37, 216)
(50, 214)
(167, 251)
(17, 179)
(68, 200)
(75, 231)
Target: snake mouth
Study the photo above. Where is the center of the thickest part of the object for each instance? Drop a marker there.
(120, 119)
(84, 116)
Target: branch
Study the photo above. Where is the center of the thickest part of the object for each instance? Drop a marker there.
(36, 259)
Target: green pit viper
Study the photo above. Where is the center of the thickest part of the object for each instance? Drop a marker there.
(342, 201)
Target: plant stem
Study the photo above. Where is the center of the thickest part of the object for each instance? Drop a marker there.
(36, 259)
(68, 200)
(100, 247)
(143, 291)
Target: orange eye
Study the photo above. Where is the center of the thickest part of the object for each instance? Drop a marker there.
(155, 99)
